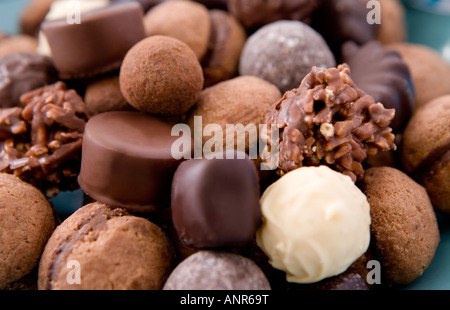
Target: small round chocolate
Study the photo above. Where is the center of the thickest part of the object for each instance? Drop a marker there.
(18, 44)
(257, 13)
(283, 53)
(127, 160)
(32, 16)
(210, 209)
(186, 21)
(393, 26)
(104, 95)
(404, 226)
(106, 249)
(216, 270)
(26, 223)
(382, 73)
(21, 73)
(161, 75)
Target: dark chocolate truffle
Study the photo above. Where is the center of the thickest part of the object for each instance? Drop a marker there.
(217, 270)
(21, 73)
(283, 53)
(382, 73)
(161, 75)
(127, 160)
(215, 202)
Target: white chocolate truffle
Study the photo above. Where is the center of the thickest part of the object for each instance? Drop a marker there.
(316, 224)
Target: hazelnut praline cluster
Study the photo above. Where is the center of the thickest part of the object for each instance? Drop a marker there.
(361, 169)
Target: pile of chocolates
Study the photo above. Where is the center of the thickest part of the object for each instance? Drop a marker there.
(106, 99)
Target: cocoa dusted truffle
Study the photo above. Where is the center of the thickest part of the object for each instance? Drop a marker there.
(161, 75)
(41, 142)
(382, 73)
(284, 52)
(329, 121)
(257, 13)
(217, 270)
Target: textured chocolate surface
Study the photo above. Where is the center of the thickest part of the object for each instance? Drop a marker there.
(98, 44)
(382, 73)
(257, 13)
(41, 142)
(215, 202)
(127, 160)
(216, 270)
(329, 121)
(21, 73)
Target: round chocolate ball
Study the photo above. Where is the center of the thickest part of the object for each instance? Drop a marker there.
(284, 52)
(161, 75)
(216, 270)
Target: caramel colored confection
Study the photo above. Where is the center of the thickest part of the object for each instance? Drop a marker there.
(17, 44)
(242, 100)
(393, 26)
(426, 150)
(186, 21)
(115, 251)
(257, 13)
(329, 121)
(41, 142)
(33, 15)
(430, 72)
(404, 226)
(26, 223)
(161, 75)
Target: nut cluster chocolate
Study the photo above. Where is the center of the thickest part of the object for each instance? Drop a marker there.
(41, 142)
(328, 121)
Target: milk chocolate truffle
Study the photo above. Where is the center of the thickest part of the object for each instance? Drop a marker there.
(32, 16)
(283, 53)
(329, 121)
(257, 13)
(215, 202)
(186, 21)
(430, 72)
(382, 73)
(226, 43)
(426, 150)
(104, 95)
(18, 44)
(21, 73)
(26, 223)
(243, 100)
(98, 44)
(217, 270)
(339, 21)
(127, 160)
(404, 226)
(100, 248)
(393, 22)
(161, 75)
(316, 223)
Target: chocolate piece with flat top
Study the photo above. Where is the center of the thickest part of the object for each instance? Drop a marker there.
(98, 44)
(127, 160)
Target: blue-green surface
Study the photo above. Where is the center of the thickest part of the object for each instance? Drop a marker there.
(425, 28)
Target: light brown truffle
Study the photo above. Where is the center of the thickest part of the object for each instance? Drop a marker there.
(186, 21)
(104, 95)
(429, 71)
(404, 227)
(32, 16)
(243, 100)
(115, 251)
(161, 75)
(426, 150)
(393, 23)
(16, 44)
(26, 223)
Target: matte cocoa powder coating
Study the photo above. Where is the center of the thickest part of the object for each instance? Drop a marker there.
(127, 160)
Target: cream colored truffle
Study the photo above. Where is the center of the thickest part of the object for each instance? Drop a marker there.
(316, 224)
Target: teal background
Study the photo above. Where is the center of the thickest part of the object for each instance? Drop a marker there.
(432, 29)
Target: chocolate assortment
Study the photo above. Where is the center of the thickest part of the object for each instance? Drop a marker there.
(220, 145)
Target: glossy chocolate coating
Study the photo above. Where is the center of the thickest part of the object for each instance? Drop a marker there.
(215, 203)
(127, 160)
(98, 44)
(382, 73)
